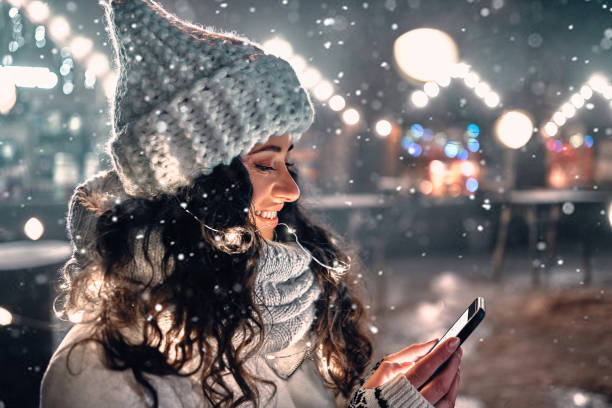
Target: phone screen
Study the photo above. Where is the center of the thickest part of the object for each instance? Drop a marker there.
(456, 328)
(466, 323)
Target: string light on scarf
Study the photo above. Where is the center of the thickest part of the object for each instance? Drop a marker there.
(596, 84)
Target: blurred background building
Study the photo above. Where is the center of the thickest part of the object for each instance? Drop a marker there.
(471, 131)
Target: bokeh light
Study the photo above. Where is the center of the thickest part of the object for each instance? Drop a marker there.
(568, 110)
(514, 129)
(350, 116)
(419, 99)
(416, 131)
(492, 99)
(59, 28)
(310, 77)
(8, 92)
(80, 47)
(431, 89)
(37, 11)
(551, 129)
(33, 228)
(279, 47)
(425, 54)
(471, 184)
(98, 64)
(559, 118)
(6, 317)
(463, 154)
(383, 128)
(414, 149)
(336, 103)
(576, 140)
(468, 169)
(473, 130)
(473, 145)
(451, 149)
(323, 90)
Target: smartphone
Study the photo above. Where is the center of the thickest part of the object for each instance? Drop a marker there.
(463, 327)
(466, 323)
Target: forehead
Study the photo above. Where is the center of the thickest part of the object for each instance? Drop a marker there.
(283, 142)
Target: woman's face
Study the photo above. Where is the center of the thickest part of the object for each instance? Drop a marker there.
(268, 167)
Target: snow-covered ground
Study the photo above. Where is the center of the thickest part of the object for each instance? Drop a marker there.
(415, 300)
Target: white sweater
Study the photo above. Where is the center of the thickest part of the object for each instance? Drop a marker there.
(94, 385)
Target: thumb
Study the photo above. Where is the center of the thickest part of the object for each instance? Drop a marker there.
(411, 353)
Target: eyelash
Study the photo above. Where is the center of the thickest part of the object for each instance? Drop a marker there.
(267, 168)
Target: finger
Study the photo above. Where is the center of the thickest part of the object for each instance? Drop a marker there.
(386, 371)
(428, 365)
(449, 399)
(411, 353)
(441, 384)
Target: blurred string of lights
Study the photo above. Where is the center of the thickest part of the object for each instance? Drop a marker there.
(71, 47)
(431, 56)
(597, 83)
(471, 79)
(312, 79)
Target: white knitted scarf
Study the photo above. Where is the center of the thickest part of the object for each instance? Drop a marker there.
(285, 291)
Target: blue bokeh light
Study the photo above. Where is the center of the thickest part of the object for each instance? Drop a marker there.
(463, 154)
(414, 149)
(451, 149)
(405, 142)
(471, 184)
(473, 145)
(588, 141)
(416, 131)
(428, 134)
(473, 130)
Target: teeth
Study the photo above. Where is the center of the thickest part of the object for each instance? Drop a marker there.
(266, 214)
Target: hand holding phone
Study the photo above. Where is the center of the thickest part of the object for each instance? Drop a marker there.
(429, 367)
(462, 328)
(466, 323)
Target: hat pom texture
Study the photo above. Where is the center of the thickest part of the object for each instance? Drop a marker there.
(189, 98)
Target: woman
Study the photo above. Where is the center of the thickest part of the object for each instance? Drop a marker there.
(196, 278)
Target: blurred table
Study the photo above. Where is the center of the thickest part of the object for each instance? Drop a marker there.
(526, 203)
(28, 278)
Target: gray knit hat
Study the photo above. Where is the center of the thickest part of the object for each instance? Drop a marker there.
(190, 98)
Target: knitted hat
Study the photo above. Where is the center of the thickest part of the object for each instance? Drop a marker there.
(188, 98)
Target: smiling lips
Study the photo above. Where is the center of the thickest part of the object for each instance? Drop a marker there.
(270, 215)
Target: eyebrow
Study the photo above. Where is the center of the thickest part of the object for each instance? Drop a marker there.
(272, 148)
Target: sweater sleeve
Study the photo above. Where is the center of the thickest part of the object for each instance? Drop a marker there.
(86, 382)
(89, 385)
(396, 393)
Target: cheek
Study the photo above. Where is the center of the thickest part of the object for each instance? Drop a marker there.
(260, 184)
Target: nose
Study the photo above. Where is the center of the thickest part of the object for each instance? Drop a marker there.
(286, 188)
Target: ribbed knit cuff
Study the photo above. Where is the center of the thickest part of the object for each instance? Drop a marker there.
(399, 393)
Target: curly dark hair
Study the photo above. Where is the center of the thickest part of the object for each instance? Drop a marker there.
(205, 283)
